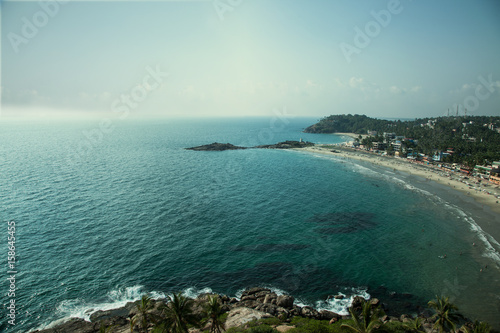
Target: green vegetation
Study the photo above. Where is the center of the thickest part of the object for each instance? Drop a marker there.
(306, 325)
(446, 315)
(143, 317)
(368, 322)
(471, 141)
(213, 312)
(178, 315)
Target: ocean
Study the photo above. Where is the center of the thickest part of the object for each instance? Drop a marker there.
(106, 214)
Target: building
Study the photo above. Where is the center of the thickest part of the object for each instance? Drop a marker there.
(482, 171)
(372, 133)
(379, 145)
(495, 173)
(389, 136)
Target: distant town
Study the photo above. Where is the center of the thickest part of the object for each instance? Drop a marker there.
(470, 145)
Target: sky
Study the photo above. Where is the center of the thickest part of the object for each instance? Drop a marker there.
(232, 58)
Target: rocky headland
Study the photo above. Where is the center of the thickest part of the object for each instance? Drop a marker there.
(256, 306)
(216, 146)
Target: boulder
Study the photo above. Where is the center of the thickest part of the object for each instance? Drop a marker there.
(284, 328)
(255, 290)
(267, 308)
(285, 301)
(309, 312)
(74, 325)
(339, 296)
(248, 298)
(100, 315)
(357, 303)
(270, 297)
(374, 301)
(240, 316)
(328, 315)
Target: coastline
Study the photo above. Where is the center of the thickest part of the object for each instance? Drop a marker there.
(453, 182)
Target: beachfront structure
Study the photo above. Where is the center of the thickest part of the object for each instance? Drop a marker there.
(379, 145)
(372, 133)
(482, 171)
(495, 173)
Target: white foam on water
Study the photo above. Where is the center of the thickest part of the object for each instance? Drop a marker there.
(195, 292)
(80, 308)
(488, 240)
(341, 306)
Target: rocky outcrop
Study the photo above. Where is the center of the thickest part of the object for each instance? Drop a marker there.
(288, 145)
(285, 301)
(255, 303)
(216, 146)
(240, 316)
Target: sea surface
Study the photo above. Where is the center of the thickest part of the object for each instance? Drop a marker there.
(106, 214)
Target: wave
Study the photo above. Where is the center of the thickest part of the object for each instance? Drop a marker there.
(341, 306)
(386, 175)
(81, 308)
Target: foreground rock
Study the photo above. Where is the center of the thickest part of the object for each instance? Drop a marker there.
(216, 146)
(255, 303)
(241, 316)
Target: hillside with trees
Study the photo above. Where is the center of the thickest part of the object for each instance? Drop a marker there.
(472, 139)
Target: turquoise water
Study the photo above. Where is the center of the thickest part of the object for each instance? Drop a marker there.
(103, 218)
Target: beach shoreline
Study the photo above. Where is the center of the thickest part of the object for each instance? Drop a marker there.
(451, 180)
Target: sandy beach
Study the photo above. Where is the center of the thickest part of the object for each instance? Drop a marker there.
(484, 192)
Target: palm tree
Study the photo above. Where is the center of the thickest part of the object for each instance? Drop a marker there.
(478, 327)
(133, 320)
(213, 311)
(144, 306)
(105, 329)
(178, 314)
(368, 322)
(414, 325)
(445, 313)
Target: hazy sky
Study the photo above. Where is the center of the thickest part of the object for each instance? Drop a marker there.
(382, 58)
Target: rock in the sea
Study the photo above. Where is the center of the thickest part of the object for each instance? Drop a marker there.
(255, 290)
(328, 315)
(270, 298)
(216, 146)
(100, 315)
(285, 301)
(288, 145)
(309, 312)
(74, 325)
(240, 316)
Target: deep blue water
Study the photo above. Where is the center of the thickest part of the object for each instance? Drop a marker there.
(102, 219)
